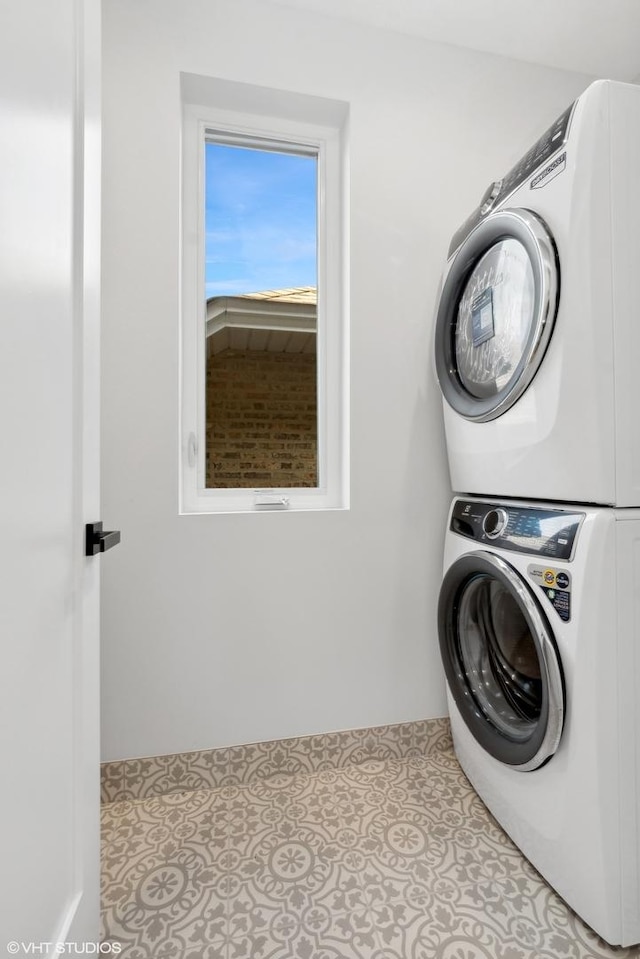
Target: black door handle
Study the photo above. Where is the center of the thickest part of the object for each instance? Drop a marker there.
(97, 541)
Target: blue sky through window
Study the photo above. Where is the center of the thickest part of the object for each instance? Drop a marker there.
(260, 220)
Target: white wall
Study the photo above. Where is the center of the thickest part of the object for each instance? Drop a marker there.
(233, 628)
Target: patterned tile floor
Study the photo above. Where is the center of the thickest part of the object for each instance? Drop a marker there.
(393, 859)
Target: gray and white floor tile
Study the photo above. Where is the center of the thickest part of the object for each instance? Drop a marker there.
(381, 859)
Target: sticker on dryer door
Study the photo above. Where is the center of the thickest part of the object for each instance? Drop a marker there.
(550, 172)
(556, 586)
(482, 328)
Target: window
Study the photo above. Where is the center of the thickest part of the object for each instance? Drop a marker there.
(261, 301)
(263, 418)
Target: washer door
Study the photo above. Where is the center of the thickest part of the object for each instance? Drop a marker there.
(496, 313)
(501, 660)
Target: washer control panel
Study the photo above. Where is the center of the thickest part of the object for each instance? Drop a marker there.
(523, 529)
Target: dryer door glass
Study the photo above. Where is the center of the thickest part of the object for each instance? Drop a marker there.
(495, 317)
(496, 313)
(501, 660)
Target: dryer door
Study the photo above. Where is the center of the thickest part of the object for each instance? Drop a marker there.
(501, 660)
(496, 313)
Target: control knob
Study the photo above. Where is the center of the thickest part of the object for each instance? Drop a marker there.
(491, 195)
(495, 522)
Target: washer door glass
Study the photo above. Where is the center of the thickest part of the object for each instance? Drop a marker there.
(501, 660)
(496, 313)
(499, 657)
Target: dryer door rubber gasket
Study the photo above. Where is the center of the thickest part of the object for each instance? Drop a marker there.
(496, 313)
(501, 660)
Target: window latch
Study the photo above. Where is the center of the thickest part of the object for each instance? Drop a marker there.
(192, 449)
(270, 501)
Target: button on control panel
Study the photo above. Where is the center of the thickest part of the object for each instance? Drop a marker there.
(523, 529)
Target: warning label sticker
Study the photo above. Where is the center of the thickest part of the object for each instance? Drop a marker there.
(556, 585)
(550, 172)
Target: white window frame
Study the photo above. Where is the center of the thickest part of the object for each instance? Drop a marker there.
(332, 357)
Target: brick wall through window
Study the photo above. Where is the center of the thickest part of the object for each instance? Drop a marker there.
(261, 425)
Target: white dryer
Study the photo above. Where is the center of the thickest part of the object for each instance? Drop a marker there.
(539, 626)
(537, 331)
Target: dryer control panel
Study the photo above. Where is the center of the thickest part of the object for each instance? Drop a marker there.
(542, 150)
(523, 529)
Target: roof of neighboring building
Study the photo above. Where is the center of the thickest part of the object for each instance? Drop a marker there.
(272, 320)
(294, 294)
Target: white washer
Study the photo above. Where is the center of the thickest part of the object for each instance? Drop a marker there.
(537, 339)
(539, 625)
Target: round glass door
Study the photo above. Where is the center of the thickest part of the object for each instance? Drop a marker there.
(501, 660)
(496, 313)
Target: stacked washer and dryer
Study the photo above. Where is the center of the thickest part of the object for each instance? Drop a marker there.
(537, 349)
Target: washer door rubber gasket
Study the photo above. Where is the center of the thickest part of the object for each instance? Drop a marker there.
(543, 741)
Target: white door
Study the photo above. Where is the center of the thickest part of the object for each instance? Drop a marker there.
(49, 420)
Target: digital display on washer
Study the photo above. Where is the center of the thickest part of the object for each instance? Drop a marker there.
(541, 532)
